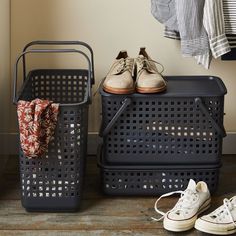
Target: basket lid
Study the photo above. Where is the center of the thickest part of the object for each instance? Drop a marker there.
(102, 163)
(186, 86)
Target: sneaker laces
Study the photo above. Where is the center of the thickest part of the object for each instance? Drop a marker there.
(145, 63)
(188, 197)
(124, 64)
(225, 210)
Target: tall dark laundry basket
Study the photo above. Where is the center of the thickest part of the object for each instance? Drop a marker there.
(54, 182)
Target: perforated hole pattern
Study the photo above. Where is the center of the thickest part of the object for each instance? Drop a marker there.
(162, 130)
(124, 182)
(55, 180)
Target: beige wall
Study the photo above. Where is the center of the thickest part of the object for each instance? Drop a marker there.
(4, 65)
(108, 26)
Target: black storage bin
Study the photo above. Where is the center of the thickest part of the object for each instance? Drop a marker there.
(153, 179)
(54, 181)
(183, 125)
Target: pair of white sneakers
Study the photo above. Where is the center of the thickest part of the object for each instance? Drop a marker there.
(193, 201)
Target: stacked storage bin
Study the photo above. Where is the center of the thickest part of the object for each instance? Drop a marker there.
(155, 143)
(54, 182)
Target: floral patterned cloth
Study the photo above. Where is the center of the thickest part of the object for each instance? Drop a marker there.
(37, 122)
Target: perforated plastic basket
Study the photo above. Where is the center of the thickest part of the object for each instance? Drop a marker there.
(183, 125)
(54, 182)
(153, 179)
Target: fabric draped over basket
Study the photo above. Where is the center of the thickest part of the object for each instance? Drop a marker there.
(37, 122)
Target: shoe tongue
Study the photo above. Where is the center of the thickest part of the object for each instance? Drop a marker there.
(122, 55)
(191, 184)
(141, 56)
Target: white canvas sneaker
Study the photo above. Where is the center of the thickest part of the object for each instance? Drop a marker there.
(193, 201)
(222, 221)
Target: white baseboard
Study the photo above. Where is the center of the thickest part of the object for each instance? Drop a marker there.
(9, 143)
(229, 143)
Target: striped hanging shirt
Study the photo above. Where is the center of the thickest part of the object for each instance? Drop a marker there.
(229, 7)
(214, 24)
(213, 21)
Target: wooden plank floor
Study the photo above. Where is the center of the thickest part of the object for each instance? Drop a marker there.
(100, 215)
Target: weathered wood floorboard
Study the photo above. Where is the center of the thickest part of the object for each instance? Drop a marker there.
(99, 214)
(146, 232)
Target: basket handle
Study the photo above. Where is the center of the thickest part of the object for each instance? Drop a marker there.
(15, 76)
(45, 42)
(204, 110)
(126, 102)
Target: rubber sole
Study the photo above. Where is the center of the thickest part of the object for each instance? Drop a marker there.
(130, 91)
(151, 90)
(118, 91)
(180, 226)
(204, 229)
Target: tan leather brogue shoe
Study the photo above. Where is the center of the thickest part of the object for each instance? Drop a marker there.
(149, 79)
(119, 79)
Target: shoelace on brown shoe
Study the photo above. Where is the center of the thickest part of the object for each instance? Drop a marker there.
(145, 63)
(126, 64)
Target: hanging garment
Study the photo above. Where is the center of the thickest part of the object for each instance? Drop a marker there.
(215, 27)
(179, 16)
(172, 34)
(165, 12)
(200, 27)
(229, 7)
(214, 24)
(37, 121)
